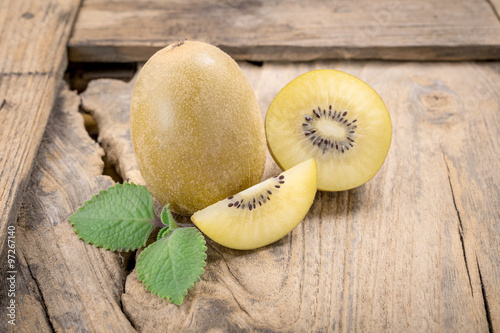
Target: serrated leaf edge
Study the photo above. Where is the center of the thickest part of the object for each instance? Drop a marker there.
(111, 188)
(141, 276)
(164, 232)
(118, 249)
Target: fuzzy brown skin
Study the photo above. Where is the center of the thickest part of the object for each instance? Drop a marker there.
(196, 128)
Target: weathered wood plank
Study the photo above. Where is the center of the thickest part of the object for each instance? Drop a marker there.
(32, 49)
(415, 249)
(77, 286)
(125, 31)
(496, 7)
(22, 307)
(108, 101)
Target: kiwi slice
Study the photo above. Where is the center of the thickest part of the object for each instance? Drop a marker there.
(335, 118)
(263, 213)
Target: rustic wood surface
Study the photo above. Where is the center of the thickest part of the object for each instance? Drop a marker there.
(415, 249)
(108, 101)
(63, 284)
(33, 59)
(124, 31)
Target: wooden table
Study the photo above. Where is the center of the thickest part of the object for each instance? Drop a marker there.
(415, 249)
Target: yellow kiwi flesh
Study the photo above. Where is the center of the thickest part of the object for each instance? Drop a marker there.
(196, 128)
(335, 118)
(262, 214)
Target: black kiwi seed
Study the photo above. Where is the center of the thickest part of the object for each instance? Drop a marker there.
(321, 142)
(229, 198)
(257, 201)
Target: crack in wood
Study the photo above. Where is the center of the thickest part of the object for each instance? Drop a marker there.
(125, 313)
(42, 299)
(494, 9)
(460, 225)
(485, 299)
(3, 103)
(35, 73)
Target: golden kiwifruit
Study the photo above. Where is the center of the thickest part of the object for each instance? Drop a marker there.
(262, 214)
(335, 118)
(196, 128)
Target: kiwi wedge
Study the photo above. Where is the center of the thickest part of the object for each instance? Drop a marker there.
(335, 118)
(263, 213)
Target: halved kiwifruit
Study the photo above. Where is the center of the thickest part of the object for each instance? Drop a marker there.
(263, 213)
(335, 118)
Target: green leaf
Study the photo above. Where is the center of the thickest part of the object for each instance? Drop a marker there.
(165, 232)
(167, 219)
(169, 222)
(118, 219)
(172, 265)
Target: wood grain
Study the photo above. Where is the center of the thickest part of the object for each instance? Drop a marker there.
(33, 60)
(414, 250)
(125, 31)
(108, 101)
(495, 4)
(65, 285)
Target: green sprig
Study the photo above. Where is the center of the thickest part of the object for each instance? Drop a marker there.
(122, 219)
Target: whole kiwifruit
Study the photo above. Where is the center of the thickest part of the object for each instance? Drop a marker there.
(196, 127)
